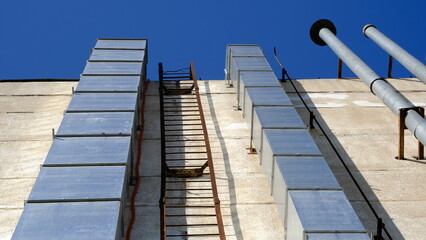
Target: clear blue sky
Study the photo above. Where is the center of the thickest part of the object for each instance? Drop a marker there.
(53, 38)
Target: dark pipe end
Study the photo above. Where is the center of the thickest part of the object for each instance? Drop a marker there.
(365, 28)
(316, 28)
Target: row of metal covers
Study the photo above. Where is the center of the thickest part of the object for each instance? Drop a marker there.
(309, 199)
(82, 186)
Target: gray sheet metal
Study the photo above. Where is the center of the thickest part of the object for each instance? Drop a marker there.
(94, 151)
(241, 50)
(287, 142)
(100, 124)
(273, 117)
(117, 55)
(300, 173)
(320, 212)
(241, 64)
(337, 236)
(113, 68)
(95, 183)
(255, 79)
(108, 84)
(263, 97)
(69, 221)
(103, 102)
(121, 43)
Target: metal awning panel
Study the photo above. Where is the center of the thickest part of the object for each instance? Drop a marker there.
(273, 117)
(97, 124)
(117, 55)
(103, 102)
(121, 43)
(320, 212)
(94, 183)
(108, 84)
(113, 68)
(70, 221)
(93, 151)
(299, 173)
(287, 142)
(255, 79)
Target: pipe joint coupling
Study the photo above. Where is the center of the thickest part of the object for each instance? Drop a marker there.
(371, 84)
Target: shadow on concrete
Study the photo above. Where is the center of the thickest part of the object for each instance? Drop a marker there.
(232, 194)
(364, 213)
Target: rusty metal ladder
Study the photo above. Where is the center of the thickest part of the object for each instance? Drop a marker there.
(189, 203)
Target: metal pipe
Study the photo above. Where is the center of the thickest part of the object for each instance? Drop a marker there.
(323, 33)
(407, 60)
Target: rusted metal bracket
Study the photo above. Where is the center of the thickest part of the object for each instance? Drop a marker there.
(339, 68)
(311, 120)
(390, 66)
(402, 127)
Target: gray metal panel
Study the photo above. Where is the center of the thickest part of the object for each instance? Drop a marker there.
(108, 84)
(117, 55)
(293, 142)
(103, 102)
(121, 43)
(241, 50)
(245, 50)
(251, 63)
(240, 64)
(69, 221)
(263, 97)
(273, 117)
(279, 117)
(95, 183)
(81, 124)
(259, 79)
(299, 173)
(255, 79)
(306, 173)
(113, 68)
(321, 211)
(89, 151)
(337, 236)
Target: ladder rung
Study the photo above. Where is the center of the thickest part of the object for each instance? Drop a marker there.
(188, 197)
(189, 206)
(193, 235)
(186, 140)
(183, 124)
(185, 152)
(184, 135)
(182, 115)
(177, 120)
(176, 130)
(195, 110)
(187, 159)
(187, 181)
(188, 189)
(192, 225)
(190, 215)
(185, 146)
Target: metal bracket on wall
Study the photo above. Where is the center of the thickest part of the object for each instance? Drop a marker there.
(402, 127)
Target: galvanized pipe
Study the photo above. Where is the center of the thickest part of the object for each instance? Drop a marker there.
(323, 33)
(407, 60)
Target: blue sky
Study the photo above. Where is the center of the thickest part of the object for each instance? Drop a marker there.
(53, 38)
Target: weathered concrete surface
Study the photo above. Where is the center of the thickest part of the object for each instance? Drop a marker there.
(365, 133)
(246, 204)
(28, 112)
